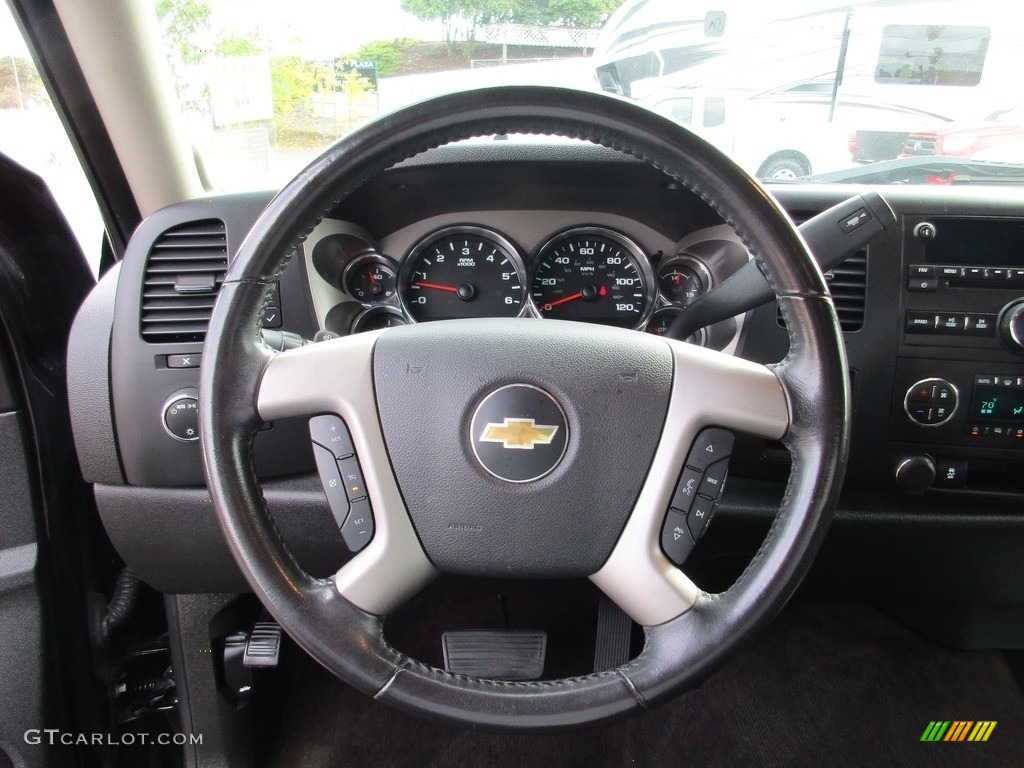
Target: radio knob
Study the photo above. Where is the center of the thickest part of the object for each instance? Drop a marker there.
(1011, 325)
(915, 474)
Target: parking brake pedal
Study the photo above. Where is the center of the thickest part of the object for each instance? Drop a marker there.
(502, 654)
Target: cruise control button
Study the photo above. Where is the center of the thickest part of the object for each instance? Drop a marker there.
(676, 541)
(686, 490)
(358, 528)
(714, 478)
(331, 432)
(699, 517)
(333, 486)
(352, 476)
(710, 446)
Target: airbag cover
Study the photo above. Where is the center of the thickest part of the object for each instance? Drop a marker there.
(612, 388)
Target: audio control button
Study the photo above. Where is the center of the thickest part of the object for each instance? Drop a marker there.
(980, 325)
(950, 323)
(920, 322)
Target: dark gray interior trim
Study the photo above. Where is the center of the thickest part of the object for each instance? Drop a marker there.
(89, 383)
(17, 566)
(171, 538)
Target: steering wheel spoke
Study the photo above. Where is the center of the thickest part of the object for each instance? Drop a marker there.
(709, 389)
(336, 377)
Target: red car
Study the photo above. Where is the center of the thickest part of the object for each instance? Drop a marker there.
(963, 139)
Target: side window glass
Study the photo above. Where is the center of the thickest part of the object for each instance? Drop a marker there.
(32, 134)
(680, 110)
(714, 111)
(919, 54)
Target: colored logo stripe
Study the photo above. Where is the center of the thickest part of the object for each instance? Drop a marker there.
(958, 730)
(935, 731)
(982, 730)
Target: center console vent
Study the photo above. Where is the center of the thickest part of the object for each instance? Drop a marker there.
(184, 270)
(848, 284)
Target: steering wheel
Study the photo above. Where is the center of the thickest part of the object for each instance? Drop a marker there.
(628, 407)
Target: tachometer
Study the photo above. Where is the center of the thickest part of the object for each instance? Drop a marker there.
(593, 275)
(463, 272)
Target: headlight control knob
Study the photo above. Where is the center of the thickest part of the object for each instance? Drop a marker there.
(181, 415)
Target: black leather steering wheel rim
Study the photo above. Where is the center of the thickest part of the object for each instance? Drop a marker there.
(679, 653)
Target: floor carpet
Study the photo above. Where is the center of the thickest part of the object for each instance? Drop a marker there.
(824, 686)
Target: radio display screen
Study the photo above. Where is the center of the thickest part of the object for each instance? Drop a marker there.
(1003, 404)
(974, 242)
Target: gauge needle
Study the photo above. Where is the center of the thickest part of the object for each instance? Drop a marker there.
(552, 304)
(437, 287)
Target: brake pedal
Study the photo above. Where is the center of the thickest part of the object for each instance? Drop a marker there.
(503, 654)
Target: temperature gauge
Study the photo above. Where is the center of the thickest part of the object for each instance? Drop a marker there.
(370, 279)
(683, 280)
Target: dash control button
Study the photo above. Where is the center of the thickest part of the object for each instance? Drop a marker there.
(686, 490)
(358, 528)
(710, 446)
(355, 487)
(699, 517)
(331, 432)
(332, 483)
(714, 478)
(676, 540)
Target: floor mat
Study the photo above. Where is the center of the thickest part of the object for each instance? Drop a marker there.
(824, 686)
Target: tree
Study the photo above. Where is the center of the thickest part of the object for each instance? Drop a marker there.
(180, 21)
(565, 13)
(235, 45)
(20, 83)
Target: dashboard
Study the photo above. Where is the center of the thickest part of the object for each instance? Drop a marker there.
(931, 312)
(592, 267)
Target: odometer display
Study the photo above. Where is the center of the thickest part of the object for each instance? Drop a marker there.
(595, 276)
(463, 272)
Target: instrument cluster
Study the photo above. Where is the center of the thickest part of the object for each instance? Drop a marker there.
(592, 274)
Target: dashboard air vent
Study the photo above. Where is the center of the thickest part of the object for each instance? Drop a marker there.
(848, 285)
(184, 271)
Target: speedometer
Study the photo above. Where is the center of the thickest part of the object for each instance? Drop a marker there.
(593, 275)
(463, 272)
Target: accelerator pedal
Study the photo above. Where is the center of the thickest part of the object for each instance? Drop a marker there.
(501, 654)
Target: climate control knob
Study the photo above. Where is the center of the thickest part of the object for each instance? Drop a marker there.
(930, 402)
(1011, 325)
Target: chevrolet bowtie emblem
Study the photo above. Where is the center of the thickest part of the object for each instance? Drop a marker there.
(523, 434)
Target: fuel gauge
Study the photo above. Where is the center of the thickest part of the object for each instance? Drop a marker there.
(683, 279)
(370, 279)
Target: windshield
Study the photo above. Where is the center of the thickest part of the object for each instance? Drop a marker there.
(810, 88)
